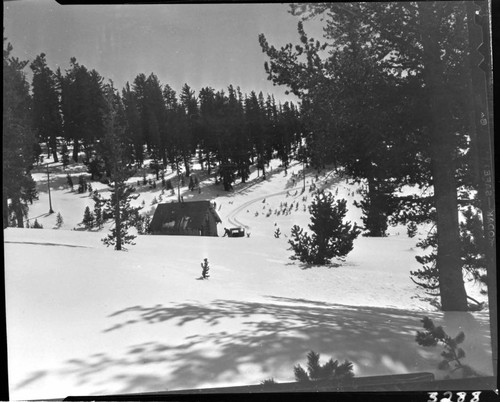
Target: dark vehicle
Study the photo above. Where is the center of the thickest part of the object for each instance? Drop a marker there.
(234, 232)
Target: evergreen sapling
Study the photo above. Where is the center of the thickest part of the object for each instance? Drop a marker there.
(88, 219)
(330, 238)
(59, 220)
(204, 269)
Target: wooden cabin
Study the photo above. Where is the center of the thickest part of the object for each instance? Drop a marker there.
(194, 218)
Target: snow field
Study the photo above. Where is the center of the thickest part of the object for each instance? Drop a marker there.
(86, 320)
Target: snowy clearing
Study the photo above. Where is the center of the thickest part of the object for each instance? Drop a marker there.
(84, 319)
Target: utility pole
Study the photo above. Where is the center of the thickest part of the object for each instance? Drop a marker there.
(51, 211)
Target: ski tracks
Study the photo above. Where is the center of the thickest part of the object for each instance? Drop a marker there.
(232, 217)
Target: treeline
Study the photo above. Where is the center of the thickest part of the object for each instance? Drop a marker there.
(228, 131)
(69, 111)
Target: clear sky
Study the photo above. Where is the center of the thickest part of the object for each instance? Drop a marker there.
(198, 44)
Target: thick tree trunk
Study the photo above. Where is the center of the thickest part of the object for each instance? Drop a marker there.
(18, 210)
(451, 283)
(376, 214)
(53, 146)
(209, 164)
(118, 220)
(76, 149)
(186, 165)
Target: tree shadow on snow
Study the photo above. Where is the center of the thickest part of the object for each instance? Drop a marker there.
(272, 336)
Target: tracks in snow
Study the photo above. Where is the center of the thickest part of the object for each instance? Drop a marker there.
(232, 217)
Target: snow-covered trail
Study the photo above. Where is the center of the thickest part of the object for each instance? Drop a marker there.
(233, 216)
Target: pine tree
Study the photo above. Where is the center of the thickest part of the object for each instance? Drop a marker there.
(452, 353)
(331, 370)
(59, 220)
(411, 229)
(88, 219)
(204, 269)
(82, 184)
(37, 225)
(46, 110)
(472, 256)
(330, 238)
(69, 180)
(98, 210)
(124, 215)
(64, 155)
(421, 87)
(18, 141)
(118, 206)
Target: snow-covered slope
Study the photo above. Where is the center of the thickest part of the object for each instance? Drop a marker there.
(85, 319)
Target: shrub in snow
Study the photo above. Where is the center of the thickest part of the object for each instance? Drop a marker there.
(277, 233)
(452, 353)
(411, 229)
(331, 370)
(59, 220)
(330, 238)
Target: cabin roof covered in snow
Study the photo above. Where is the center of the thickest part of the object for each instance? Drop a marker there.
(195, 210)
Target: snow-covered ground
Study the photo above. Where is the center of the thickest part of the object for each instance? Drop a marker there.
(84, 319)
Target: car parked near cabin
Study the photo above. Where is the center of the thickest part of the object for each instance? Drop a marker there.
(234, 232)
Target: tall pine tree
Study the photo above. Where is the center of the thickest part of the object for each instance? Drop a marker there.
(18, 141)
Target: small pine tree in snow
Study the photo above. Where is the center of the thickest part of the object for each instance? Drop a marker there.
(88, 219)
(452, 353)
(277, 233)
(204, 269)
(331, 237)
(411, 229)
(154, 201)
(331, 370)
(37, 225)
(59, 220)
(98, 213)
